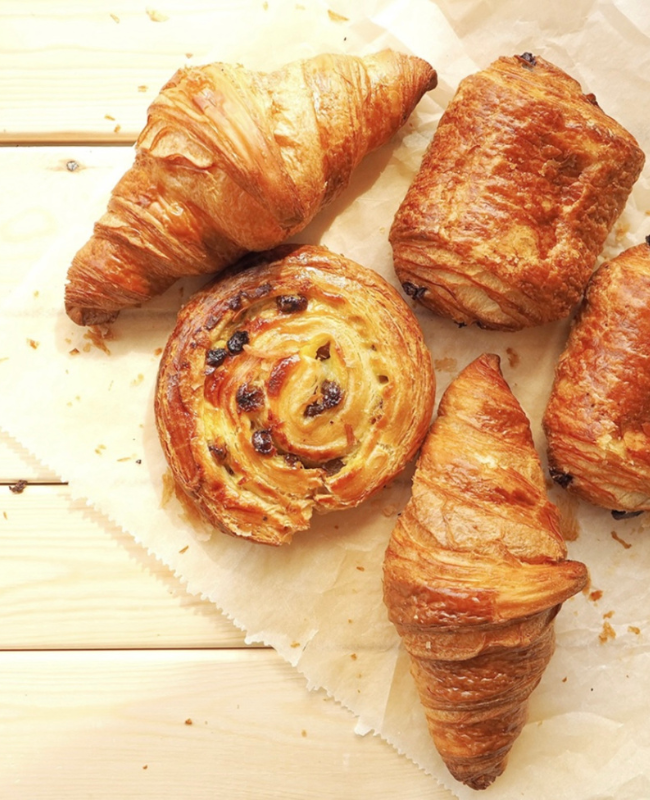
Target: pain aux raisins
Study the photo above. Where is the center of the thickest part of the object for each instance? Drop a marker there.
(215, 358)
(323, 352)
(331, 396)
(249, 398)
(291, 303)
(263, 443)
(237, 341)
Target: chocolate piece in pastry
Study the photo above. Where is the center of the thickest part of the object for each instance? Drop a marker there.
(475, 573)
(301, 384)
(232, 161)
(597, 420)
(514, 199)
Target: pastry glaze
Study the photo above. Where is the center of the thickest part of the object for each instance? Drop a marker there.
(475, 573)
(232, 161)
(597, 420)
(514, 199)
(300, 383)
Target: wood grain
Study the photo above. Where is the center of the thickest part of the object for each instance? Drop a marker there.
(180, 724)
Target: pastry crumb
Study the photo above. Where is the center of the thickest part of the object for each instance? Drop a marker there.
(184, 549)
(188, 721)
(607, 633)
(445, 364)
(33, 344)
(634, 629)
(336, 17)
(295, 644)
(353, 656)
(389, 510)
(618, 539)
(303, 733)
(74, 352)
(115, 18)
(137, 381)
(109, 117)
(117, 128)
(513, 357)
(156, 16)
(143, 88)
(360, 568)
(18, 487)
(595, 595)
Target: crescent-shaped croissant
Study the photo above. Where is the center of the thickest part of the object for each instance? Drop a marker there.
(232, 161)
(299, 384)
(597, 420)
(522, 182)
(475, 573)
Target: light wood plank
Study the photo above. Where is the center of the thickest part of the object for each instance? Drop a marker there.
(71, 579)
(114, 725)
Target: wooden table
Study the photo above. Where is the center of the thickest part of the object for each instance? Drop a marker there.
(114, 682)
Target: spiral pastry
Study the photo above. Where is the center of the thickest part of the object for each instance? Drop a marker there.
(301, 382)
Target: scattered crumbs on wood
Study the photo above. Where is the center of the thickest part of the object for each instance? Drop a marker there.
(156, 16)
(189, 55)
(445, 364)
(360, 568)
(4, 514)
(36, 293)
(513, 357)
(18, 487)
(138, 461)
(608, 615)
(100, 449)
(303, 733)
(117, 128)
(295, 644)
(146, 766)
(265, 5)
(336, 17)
(109, 117)
(595, 595)
(115, 18)
(350, 621)
(634, 629)
(74, 352)
(607, 633)
(188, 721)
(158, 351)
(618, 539)
(564, 679)
(184, 549)
(389, 510)
(33, 344)
(353, 656)
(142, 88)
(126, 458)
(137, 381)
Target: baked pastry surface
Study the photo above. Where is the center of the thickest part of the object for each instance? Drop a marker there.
(514, 199)
(232, 161)
(475, 572)
(597, 420)
(300, 384)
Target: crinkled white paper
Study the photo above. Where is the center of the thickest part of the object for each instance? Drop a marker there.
(84, 407)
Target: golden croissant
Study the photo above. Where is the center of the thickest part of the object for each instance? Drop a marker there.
(475, 573)
(232, 161)
(597, 420)
(516, 194)
(302, 383)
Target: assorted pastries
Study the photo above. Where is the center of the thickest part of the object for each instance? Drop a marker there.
(301, 383)
(514, 199)
(475, 573)
(597, 420)
(232, 161)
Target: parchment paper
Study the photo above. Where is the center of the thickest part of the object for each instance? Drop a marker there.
(84, 407)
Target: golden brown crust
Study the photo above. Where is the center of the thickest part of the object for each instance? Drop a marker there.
(232, 161)
(597, 420)
(514, 199)
(475, 573)
(301, 383)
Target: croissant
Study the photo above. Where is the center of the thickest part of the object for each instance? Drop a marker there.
(597, 420)
(516, 194)
(232, 161)
(475, 573)
(301, 383)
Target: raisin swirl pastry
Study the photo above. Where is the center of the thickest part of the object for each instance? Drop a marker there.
(232, 161)
(475, 573)
(516, 194)
(597, 420)
(299, 384)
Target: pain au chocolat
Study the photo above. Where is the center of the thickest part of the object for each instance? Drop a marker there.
(597, 420)
(301, 383)
(516, 194)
